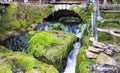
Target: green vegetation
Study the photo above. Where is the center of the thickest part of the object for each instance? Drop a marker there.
(20, 16)
(111, 15)
(116, 1)
(103, 37)
(86, 16)
(59, 26)
(16, 61)
(82, 61)
(51, 46)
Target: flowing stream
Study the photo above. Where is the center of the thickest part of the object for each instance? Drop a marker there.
(71, 59)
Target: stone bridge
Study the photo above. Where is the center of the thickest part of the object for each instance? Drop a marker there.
(66, 6)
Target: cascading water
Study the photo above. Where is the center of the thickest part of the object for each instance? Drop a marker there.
(76, 29)
(71, 59)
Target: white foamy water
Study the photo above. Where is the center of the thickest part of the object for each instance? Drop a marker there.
(71, 59)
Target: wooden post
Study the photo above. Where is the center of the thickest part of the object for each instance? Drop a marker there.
(94, 19)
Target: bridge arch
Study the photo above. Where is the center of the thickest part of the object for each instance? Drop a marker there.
(64, 15)
(71, 10)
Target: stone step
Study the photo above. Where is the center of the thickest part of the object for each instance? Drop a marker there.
(91, 54)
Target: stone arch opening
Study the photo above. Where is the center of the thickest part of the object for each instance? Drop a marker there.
(64, 16)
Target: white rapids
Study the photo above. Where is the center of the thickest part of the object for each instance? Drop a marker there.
(71, 59)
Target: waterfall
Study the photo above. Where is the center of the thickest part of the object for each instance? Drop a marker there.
(71, 59)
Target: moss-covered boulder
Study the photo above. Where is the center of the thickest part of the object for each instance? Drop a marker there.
(15, 62)
(3, 50)
(82, 61)
(51, 46)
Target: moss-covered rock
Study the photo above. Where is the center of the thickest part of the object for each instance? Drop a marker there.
(82, 61)
(80, 10)
(51, 46)
(21, 62)
(21, 16)
(3, 50)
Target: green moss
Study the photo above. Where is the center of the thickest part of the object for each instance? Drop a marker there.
(31, 34)
(58, 26)
(30, 14)
(86, 16)
(83, 61)
(17, 61)
(51, 46)
(111, 15)
(106, 37)
(9, 21)
(108, 24)
(17, 16)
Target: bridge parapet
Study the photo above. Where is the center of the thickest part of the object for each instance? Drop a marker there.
(66, 6)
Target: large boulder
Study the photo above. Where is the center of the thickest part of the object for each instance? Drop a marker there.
(105, 59)
(51, 46)
(20, 62)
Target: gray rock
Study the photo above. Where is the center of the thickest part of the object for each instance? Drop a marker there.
(105, 59)
(109, 51)
(98, 44)
(96, 68)
(91, 54)
(93, 49)
(116, 48)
